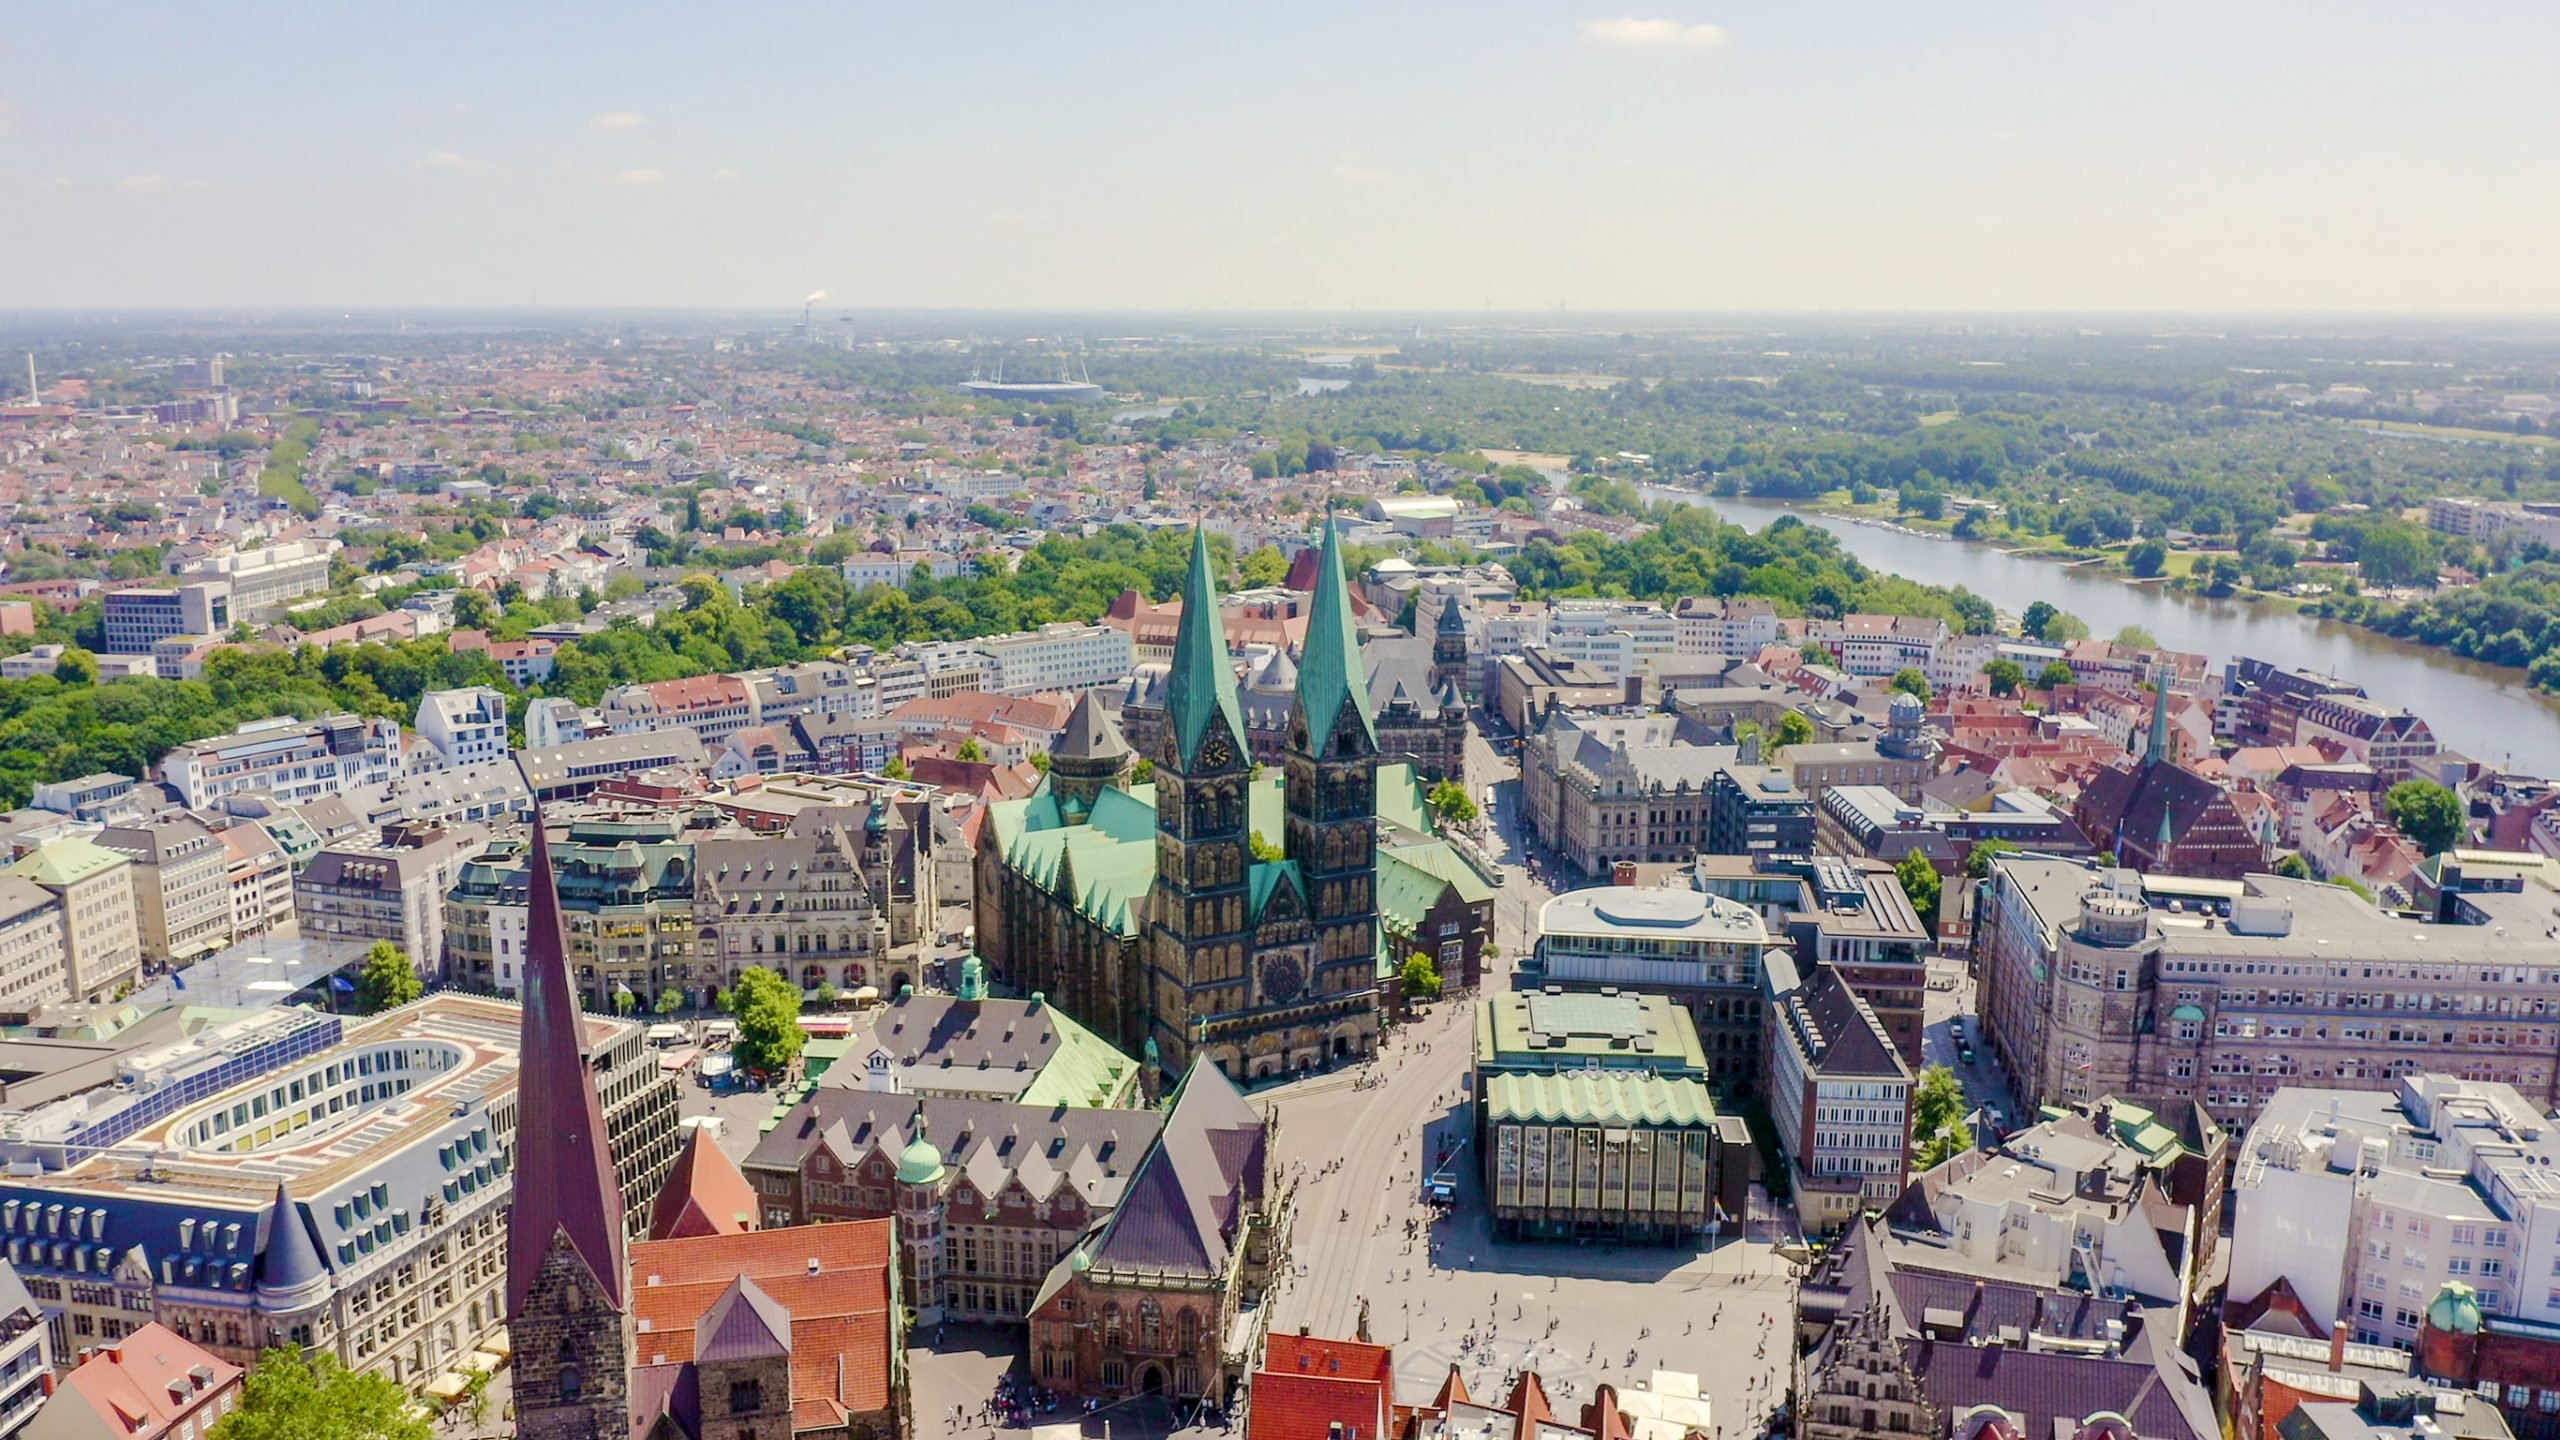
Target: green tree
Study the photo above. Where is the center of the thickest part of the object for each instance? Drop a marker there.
(2147, 558)
(670, 1000)
(624, 1001)
(2429, 814)
(767, 1009)
(2037, 616)
(1262, 848)
(2064, 627)
(1040, 761)
(970, 751)
(2294, 867)
(76, 667)
(1920, 881)
(2134, 637)
(1419, 977)
(1977, 861)
(1262, 567)
(2005, 676)
(1450, 804)
(472, 610)
(2054, 676)
(2395, 553)
(1813, 654)
(386, 979)
(896, 769)
(1910, 681)
(290, 1396)
(1937, 1119)
(1142, 773)
(1793, 729)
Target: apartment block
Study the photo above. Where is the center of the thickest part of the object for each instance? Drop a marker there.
(293, 760)
(138, 620)
(465, 727)
(181, 885)
(2098, 981)
(33, 970)
(2367, 1203)
(390, 890)
(102, 938)
(1057, 657)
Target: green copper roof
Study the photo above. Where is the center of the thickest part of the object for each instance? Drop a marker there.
(68, 862)
(1203, 682)
(1330, 675)
(2456, 1309)
(1599, 1097)
(921, 1162)
(1411, 879)
(1267, 876)
(1083, 1073)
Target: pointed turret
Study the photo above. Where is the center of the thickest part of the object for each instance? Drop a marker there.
(1203, 678)
(565, 1183)
(290, 1272)
(1331, 678)
(2159, 750)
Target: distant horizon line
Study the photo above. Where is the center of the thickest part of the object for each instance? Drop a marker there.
(1552, 318)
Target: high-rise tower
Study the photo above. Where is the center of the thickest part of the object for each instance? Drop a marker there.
(568, 1283)
(1331, 769)
(1198, 928)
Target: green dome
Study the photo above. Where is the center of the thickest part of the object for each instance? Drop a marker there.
(920, 1163)
(2455, 1310)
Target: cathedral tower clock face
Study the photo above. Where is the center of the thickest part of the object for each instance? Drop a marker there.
(1216, 754)
(1281, 978)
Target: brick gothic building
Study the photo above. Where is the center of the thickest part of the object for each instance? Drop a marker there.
(1146, 1302)
(1144, 912)
(2161, 818)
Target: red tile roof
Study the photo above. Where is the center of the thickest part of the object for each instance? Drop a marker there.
(704, 1195)
(145, 1383)
(838, 1310)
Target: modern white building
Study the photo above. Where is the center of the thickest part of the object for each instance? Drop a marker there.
(466, 727)
(1738, 627)
(262, 580)
(2367, 1202)
(291, 759)
(1616, 637)
(1060, 656)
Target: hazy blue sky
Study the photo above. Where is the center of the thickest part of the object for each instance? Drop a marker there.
(1949, 155)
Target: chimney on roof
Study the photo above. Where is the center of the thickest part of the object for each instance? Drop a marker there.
(2337, 1347)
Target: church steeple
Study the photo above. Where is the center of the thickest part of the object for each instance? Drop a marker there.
(1333, 685)
(568, 1282)
(1202, 684)
(2159, 751)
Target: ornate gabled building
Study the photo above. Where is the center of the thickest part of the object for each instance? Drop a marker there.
(568, 1282)
(1143, 910)
(2162, 818)
(1148, 1301)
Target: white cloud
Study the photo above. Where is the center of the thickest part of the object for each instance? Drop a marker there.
(647, 175)
(8, 118)
(620, 120)
(724, 175)
(1665, 34)
(1353, 170)
(453, 160)
(159, 185)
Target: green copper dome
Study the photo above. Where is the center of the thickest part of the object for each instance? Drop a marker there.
(2455, 1310)
(920, 1163)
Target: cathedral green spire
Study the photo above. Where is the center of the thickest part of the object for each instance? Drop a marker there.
(1330, 675)
(1203, 682)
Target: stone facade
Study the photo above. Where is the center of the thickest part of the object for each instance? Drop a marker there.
(573, 1351)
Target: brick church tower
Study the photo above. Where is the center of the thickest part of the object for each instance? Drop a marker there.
(568, 1283)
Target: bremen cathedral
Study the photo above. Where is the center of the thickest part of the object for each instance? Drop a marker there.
(1216, 912)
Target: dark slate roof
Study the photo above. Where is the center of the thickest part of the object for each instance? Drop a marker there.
(668, 1393)
(1185, 1206)
(2164, 1399)
(989, 1143)
(565, 1180)
(743, 1324)
(1091, 733)
(1400, 674)
(2134, 803)
(289, 1259)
